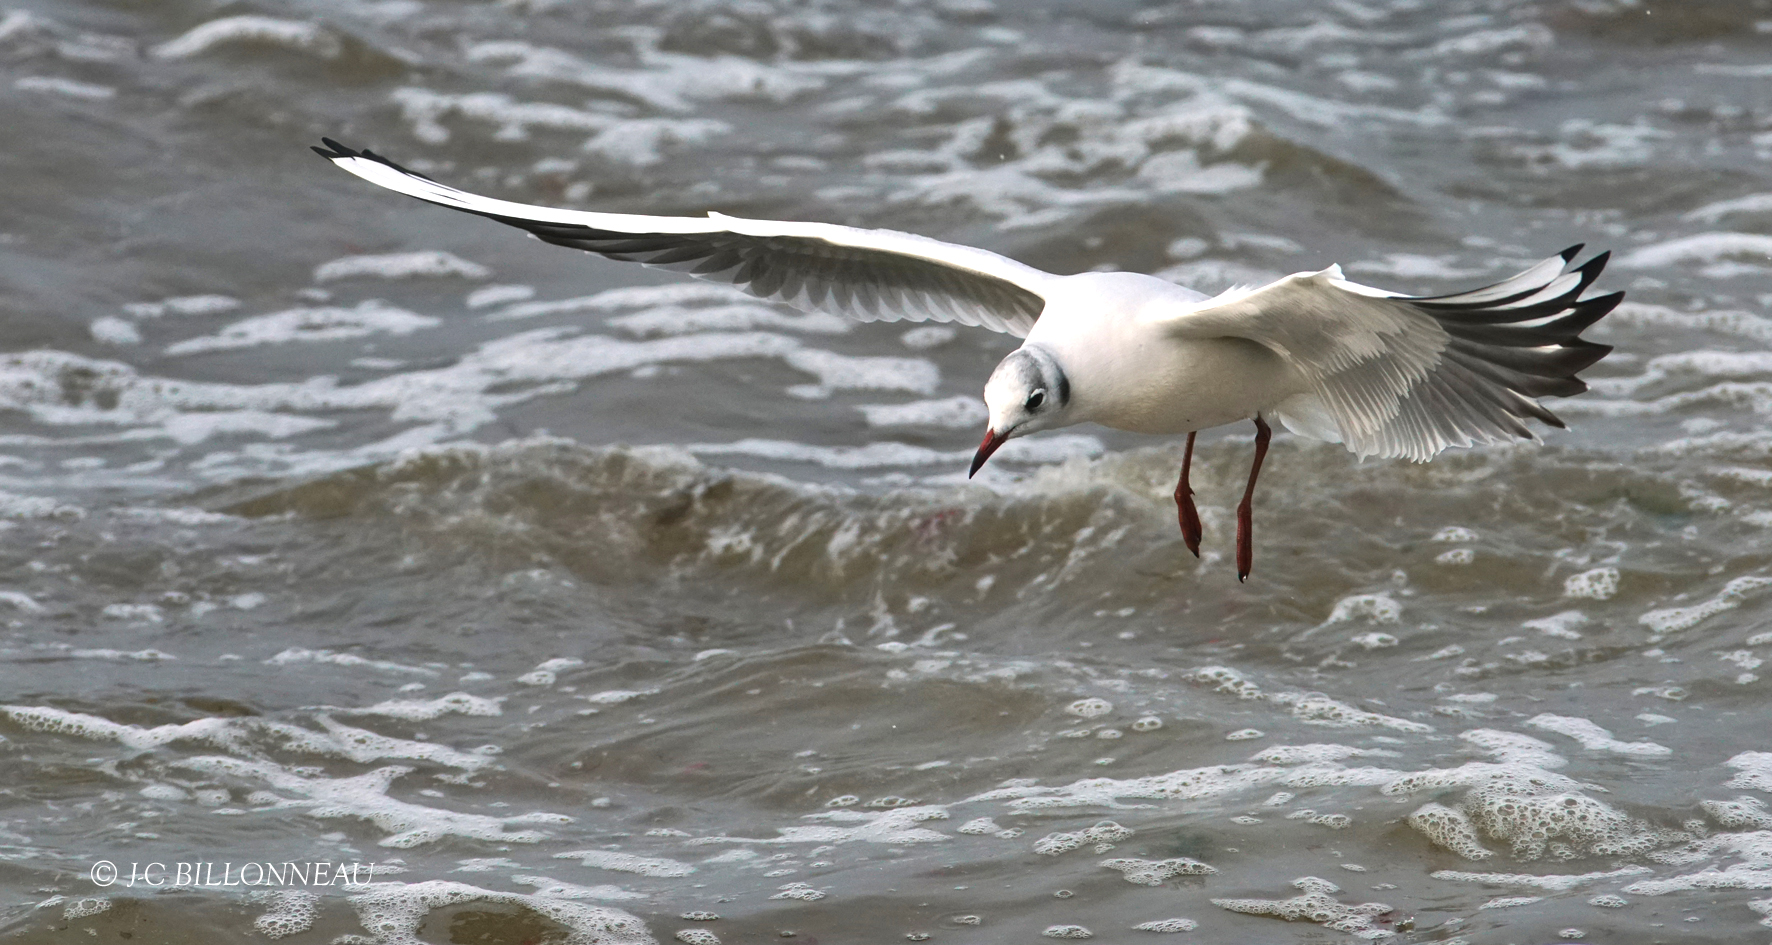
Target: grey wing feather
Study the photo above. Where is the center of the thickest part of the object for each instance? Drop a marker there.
(1409, 377)
(871, 275)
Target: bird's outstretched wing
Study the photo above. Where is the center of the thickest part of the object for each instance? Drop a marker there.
(872, 275)
(1408, 377)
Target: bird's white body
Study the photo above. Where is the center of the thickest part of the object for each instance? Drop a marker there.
(1110, 332)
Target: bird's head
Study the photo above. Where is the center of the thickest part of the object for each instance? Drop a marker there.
(1026, 393)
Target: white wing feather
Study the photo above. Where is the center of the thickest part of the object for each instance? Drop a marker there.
(1408, 377)
(873, 275)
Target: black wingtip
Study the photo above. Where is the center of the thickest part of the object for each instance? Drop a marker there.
(335, 151)
(1572, 252)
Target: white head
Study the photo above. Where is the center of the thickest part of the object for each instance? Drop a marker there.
(1027, 392)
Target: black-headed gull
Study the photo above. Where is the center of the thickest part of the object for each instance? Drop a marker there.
(1385, 374)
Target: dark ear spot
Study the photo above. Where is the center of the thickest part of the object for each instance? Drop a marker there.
(1036, 398)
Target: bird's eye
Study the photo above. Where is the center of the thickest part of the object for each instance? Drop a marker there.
(1036, 398)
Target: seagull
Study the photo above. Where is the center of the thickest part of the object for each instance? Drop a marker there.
(1385, 374)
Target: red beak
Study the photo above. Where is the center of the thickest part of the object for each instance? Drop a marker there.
(992, 440)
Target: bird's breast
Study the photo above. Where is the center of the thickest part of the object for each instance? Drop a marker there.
(1159, 384)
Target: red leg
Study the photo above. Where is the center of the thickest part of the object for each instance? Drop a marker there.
(1184, 502)
(1245, 509)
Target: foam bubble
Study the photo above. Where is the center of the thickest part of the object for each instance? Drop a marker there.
(1089, 708)
(1067, 931)
(697, 937)
(1608, 901)
(85, 906)
(1509, 902)
(1167, 925)
(1755, 769)
(1318, 709)
(1154, 872)
(292, 911)
(1316, 904)
(799, 891)
(1597, 584)
(214, 731)
(1378, 608)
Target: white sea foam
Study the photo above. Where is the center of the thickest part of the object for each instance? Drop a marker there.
(1595, 584)
(1703, 247)
(292, 911)
(327, 323)
(56, 85)
(1755, 769)
(365, 797)
(959, 412)
(1675, 619)
(219, 732)
(298, 35)
(1560, 625)
(1595, 738)
(394, 912)
(1712, 212)
(400, 266)
(668, 81)
(498, 295)
(1167, 925)
(183, 305)
(1378, 608)
(415, 710)
(298, 654)
(657, 867)
(1553, 883)
(114, 331)
(875, 455)
(1316, 903)
(550, 888)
